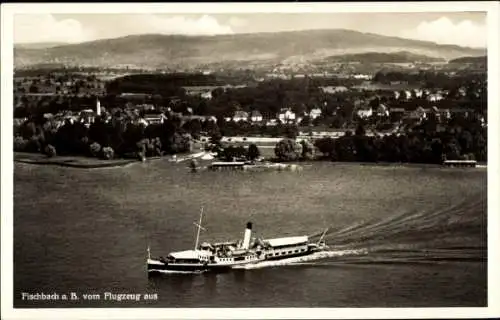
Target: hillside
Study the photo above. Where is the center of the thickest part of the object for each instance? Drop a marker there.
(379, 57)
(39, 45)
(173, 51)
(474, 60)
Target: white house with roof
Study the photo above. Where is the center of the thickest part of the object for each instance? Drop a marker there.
(272, 122)
(87, 116)
(362, 76)
(256, 116)
(365, 112)
(439, 114)
(240, 116)
(154, 118)
(334, 89)
(287, 116)
(418, 114)
(206, 95)
(315, 113)
(382, 111)
(483, 121)
(435, 97)
(407, 94)
(462, 91)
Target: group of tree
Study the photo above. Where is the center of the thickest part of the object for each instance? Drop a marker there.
(230, 128)
(289, 149)
(430, 79)
(238, 153)
(424, 144)
(101, 139)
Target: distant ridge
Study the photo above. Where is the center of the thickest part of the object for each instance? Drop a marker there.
(381, 57)
(477, 60)
(39, 45)
(179, 51)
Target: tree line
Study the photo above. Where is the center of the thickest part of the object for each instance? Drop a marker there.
(460, 140)
(101, 139)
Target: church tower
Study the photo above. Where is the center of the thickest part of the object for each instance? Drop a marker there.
(98, 107)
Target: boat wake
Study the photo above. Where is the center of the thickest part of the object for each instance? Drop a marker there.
(302, 260)
(179, 272)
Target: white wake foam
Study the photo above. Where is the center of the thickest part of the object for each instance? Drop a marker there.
(300, 260)
(179, 272)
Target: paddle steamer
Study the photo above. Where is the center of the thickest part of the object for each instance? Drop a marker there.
(227, 255)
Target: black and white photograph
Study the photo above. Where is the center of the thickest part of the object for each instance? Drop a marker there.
(195, 160)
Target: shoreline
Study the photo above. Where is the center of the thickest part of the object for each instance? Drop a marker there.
(93, 163)
(70, 161)
(82, 162)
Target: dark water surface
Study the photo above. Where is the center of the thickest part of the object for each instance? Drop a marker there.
(401, 236)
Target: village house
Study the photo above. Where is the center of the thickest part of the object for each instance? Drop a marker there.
(364, 112)
(154, 118)
(407, 94)
(59, 121)
(333, 89)
(139, 121)
(287, 116)
(135, 96)
(483, 121)
(438, 114)
(204, 92)
(362, 76)
(315, 113)
(87, 117)
(256, 116)
(435, 97)
(462, 91)
(382, 111)
(198, 117)
(48, 116)
(145, 107)
(206, 95)
(444, 114)
(272, 122)
(398, 82)
(299, 118)
(240, 116)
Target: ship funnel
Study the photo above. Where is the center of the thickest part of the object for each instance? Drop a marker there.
(246, 238)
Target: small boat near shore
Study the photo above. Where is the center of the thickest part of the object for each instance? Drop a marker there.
(248, 165)
(460, 163)
(223, 256)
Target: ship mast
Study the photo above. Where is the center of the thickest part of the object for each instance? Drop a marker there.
(199, 228)
(322, 236)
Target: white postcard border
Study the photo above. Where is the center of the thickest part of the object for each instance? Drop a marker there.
(7, 13)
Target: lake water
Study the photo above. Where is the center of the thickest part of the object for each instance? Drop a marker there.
(400, 236)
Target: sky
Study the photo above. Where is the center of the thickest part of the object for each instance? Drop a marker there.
(459, 28)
